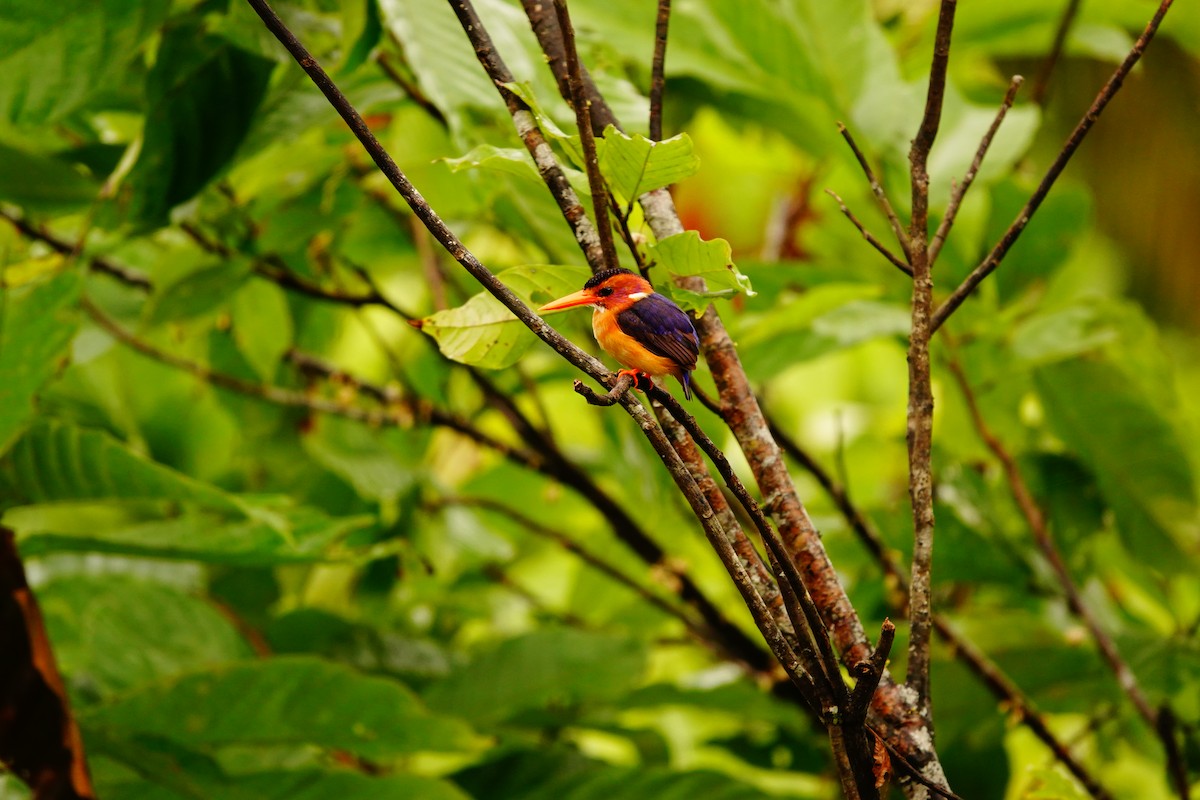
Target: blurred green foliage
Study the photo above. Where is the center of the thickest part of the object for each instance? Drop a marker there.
(250, 599)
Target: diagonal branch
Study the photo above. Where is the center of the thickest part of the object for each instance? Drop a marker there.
(870, 237)
(1042, 83)
(960, 191)
(1000, 250)
(587, 137)
(878, 190)
(535, 142)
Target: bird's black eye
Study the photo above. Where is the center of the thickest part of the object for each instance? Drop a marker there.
(605, 292)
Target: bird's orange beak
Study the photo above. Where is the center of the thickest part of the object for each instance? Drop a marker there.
(584, 297)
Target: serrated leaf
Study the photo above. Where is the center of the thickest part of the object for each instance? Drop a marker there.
(55, 56)
(262, 326)
(1133, 451)
(687, 255)
(55, 461)
(115, 632)
(634, 165)
(289, 700)
(36, 326)
(484, 333)
(561, 667)
(313, 536)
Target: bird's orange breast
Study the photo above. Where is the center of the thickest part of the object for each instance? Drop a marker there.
(627, 350)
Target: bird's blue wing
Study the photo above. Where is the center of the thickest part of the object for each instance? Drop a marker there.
(663, 328)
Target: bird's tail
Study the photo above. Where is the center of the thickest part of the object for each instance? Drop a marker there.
(686, 380)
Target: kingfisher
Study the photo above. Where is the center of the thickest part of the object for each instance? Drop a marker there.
(639, 327)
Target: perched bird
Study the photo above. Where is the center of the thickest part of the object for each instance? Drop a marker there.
(642, 329)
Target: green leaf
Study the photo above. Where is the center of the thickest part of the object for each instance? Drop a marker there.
(200, 292)
(1133, 450)
(378, 464)
(37, 182)
(313, 536)
(202, 96)
(687, 255)
(288, 700)
(1064, 333)
(633, 165)
(54, 461)
(558, 668)
(262, 326)
(114, 632)
(55, 57)
(36, 326)
(484, 333)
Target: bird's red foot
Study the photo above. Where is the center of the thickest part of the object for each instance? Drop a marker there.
(641, 381)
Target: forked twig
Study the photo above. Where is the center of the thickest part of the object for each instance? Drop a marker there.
(1000, 250)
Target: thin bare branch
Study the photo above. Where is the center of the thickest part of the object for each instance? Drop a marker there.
(878, 190)
(657, 80)
(870, 237)
(1000, 250)
(1042, 83)
(960, 191)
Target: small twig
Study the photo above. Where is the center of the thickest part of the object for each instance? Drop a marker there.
(657, 79)
(993, 259)
(408, 85)
(960, 191)
(614, 395)
(878, 190)
(1042, 83)
(587, 138)
(870, 237)
(868, 673)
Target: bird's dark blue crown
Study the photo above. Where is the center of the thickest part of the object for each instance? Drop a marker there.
(603, 275)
